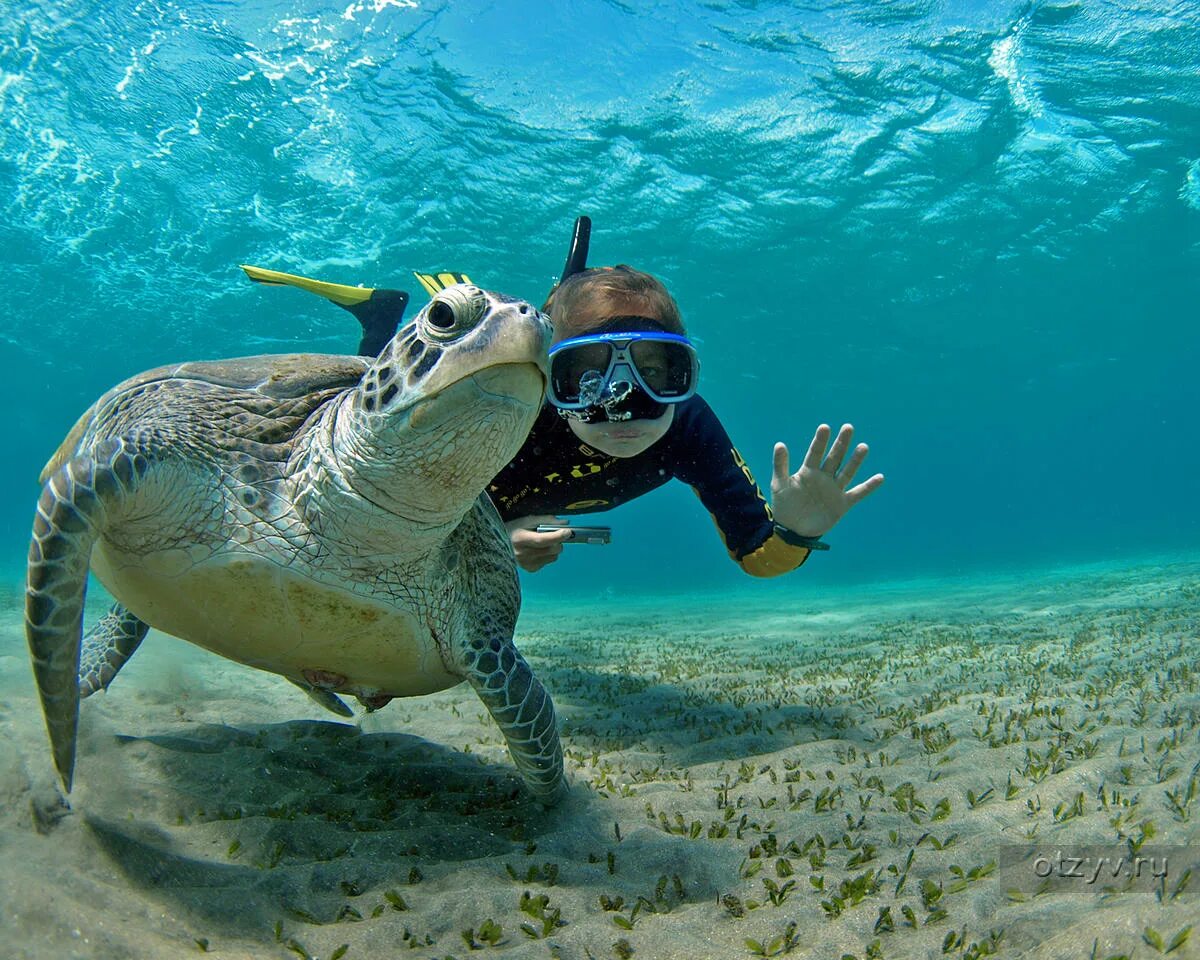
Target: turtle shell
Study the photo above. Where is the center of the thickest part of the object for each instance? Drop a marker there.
(284, 377)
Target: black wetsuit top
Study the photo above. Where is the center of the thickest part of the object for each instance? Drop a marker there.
(557, 473)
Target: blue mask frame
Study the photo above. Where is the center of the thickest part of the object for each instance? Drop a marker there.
(621, 372)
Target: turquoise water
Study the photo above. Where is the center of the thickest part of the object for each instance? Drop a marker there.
(971, 229)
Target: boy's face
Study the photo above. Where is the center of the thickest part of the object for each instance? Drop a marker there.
(625, 438)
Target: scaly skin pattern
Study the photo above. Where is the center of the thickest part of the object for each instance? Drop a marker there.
(111, 641)
(333, 534)
(499, 674)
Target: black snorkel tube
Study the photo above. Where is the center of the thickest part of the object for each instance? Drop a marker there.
(577, 254)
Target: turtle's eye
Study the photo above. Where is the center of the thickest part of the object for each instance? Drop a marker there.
(441, 315)
(454, 311)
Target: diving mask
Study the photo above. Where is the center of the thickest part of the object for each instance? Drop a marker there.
(622, 376)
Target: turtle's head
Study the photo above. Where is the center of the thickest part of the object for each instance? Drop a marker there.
(447, 404)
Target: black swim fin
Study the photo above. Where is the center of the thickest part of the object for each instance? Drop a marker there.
(378, 310)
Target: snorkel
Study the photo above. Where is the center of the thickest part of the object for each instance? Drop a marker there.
(577, 253)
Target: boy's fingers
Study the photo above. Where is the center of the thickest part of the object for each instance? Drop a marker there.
(551, 536)
(779, 462)
(864, 489)
(550, 543)
(816, 449)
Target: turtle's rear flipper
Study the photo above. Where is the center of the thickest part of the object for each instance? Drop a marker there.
(71, 512)
(107, 646)
(326, 698)
(378, 310)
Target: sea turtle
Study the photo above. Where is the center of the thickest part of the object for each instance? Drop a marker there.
(317, 516)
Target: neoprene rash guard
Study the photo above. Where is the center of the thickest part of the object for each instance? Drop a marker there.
(557, 473)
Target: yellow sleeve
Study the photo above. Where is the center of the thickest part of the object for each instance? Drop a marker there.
(773, 558)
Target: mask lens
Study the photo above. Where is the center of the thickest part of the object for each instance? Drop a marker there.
(569, 369)
(666, 368)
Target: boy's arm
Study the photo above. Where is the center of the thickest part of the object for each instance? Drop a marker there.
(706, 460)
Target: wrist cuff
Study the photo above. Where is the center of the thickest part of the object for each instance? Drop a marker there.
(793, 539)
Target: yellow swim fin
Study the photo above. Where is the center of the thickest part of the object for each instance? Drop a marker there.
(433, 282)
(342, 295)
(377, 309)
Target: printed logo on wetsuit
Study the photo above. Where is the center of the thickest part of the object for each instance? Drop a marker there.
(741, 463)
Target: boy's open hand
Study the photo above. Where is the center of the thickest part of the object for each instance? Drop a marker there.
(814, 498)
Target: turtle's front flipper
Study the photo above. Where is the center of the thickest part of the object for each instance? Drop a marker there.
(70, 514)
(521, 706)
(326, 698)
(110, 642)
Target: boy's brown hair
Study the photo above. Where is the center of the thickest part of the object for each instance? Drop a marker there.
(621, 282)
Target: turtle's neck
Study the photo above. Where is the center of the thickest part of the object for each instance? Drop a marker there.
(355, 487)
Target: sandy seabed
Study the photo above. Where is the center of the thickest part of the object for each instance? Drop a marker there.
(1003, 768)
